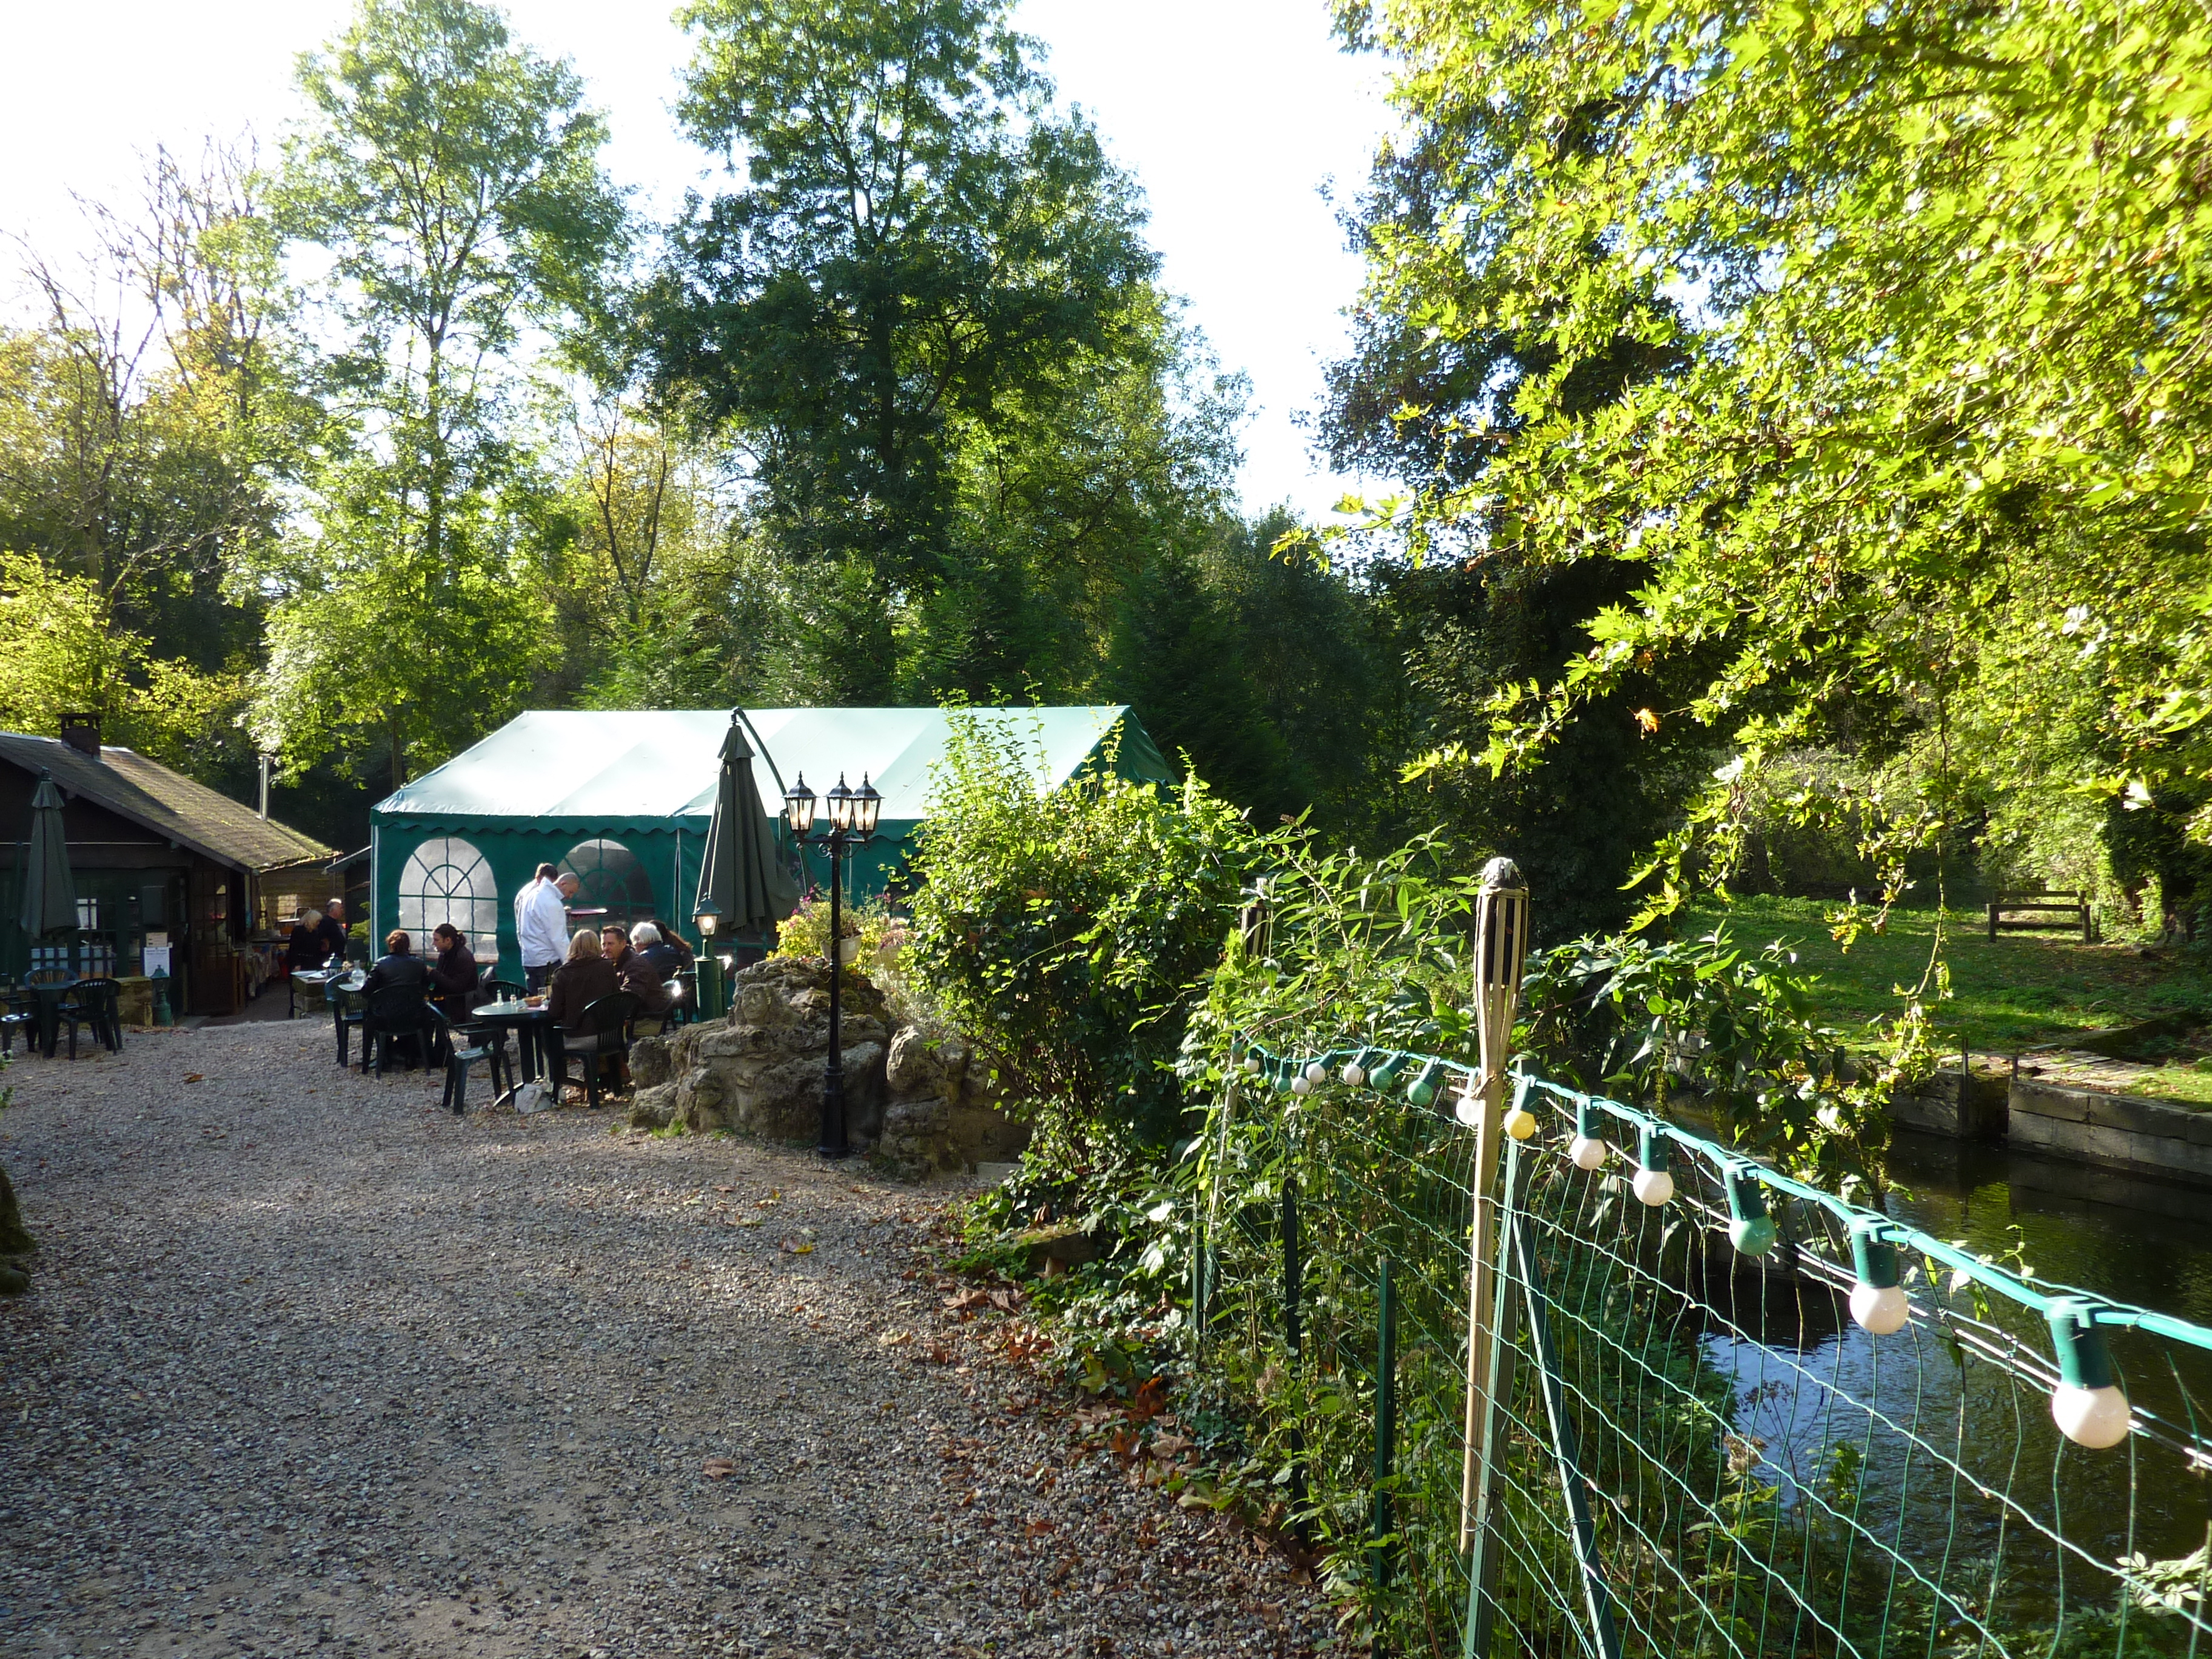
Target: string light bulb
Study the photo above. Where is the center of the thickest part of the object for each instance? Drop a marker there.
(1520, 1121)
(1651, 1184)
(1878, 1305)
(1355, 1069)
(2088, 1404)
(1588, 1150)
(1316, 1073)
(1301, 1084)
(1423, 1090)
(1751, 1230)
(1252, 1064)
(1468, 1106)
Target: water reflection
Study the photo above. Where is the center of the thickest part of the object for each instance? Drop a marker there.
(1960, 1465)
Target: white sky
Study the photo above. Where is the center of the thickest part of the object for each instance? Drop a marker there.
(1232, 113)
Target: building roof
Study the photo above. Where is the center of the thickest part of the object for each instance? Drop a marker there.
(608, 770)
(167, 803)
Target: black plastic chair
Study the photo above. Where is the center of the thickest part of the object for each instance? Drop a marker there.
(685, 1010)
(397, 1013)
(464, 1045)
(346, 1012)
(21, 1015)
(606, 1035)
(96, 1005)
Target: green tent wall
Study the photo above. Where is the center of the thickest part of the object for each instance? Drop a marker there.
(624, 797)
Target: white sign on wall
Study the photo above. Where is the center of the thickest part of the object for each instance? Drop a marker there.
(157, 959)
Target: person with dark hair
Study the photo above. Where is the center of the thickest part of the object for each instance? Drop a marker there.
(541, 924)
(393, 998)
(669, 952)
(454, 972)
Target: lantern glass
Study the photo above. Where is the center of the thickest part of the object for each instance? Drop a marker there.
(799, 806)
(708, 918)
(840, 803)
(867, 804)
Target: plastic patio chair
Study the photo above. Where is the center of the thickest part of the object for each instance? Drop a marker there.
(397, 1013)
(604, 1036)
(97, 1004)
(464, 1045)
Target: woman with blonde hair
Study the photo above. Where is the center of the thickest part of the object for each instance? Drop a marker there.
(579, 982)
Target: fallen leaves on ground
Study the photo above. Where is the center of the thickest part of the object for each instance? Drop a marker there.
(195, 1077)
(796, 1247)
(717, 1468)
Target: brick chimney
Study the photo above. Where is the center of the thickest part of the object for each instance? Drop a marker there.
(82, 732)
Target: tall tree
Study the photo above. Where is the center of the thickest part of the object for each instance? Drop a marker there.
(1932, 452)
(451, 175)
(917, 241)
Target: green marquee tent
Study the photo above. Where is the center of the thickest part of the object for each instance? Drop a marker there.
(623, 798)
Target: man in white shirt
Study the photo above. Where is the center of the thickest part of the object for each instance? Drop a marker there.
(541, 924)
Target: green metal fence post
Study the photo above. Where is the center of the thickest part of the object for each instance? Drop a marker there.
(1293, 1339)
(1597, 1599)
(1489, 1447)
(1386, 1424)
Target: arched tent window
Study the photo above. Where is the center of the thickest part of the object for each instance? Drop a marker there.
(446, 879)
(610, 878)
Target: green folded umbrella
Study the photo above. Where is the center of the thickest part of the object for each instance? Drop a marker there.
(744, 873)
(49, 889)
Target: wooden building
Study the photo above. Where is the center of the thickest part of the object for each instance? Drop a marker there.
(158, 859)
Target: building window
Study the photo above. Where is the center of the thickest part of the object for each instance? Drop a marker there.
(447, 880)
(88, 914)
(610, 878)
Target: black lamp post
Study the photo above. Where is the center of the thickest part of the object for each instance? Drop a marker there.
(852, 824)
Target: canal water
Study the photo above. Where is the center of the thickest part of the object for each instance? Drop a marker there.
(1952, 1437)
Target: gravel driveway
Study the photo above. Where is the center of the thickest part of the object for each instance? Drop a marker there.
(310, 1363)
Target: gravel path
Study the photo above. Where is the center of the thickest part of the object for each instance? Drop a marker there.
(311, 1364)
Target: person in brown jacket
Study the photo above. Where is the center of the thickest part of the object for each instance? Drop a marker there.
(637, 974)
(579, 982)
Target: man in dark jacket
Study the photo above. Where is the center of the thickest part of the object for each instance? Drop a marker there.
(454, 973)
(638, 974)
(330, 930)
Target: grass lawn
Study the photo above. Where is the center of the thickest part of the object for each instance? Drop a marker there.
(2023, 990)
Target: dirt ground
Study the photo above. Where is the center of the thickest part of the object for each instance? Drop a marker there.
(310, 1365)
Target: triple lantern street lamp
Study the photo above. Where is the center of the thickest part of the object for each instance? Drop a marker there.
(852, 814)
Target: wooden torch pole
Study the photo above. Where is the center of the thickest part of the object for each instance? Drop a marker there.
(1501, 942)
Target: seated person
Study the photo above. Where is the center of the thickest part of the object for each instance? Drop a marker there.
(652, 944)
(332, 931)
(454, 974)
(393, 993)
(579, 982)
(638, 975)
(685, 961)
(304, 947)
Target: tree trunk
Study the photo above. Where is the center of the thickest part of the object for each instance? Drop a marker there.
(14, 1241)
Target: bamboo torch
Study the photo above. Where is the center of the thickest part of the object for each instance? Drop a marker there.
(1501, 941)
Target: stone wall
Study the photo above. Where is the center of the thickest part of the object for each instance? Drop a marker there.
(2094, 1126)
(920, 1107)
(2123, 1131)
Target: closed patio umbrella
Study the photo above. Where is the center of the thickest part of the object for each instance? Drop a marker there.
(744, 874)
(49, 891)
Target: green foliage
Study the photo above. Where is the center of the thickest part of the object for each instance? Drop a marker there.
(1733, 1033)
(1919, 478)
(1068, 931)
(451, 177)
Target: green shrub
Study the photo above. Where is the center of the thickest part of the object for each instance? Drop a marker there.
(1069, 930)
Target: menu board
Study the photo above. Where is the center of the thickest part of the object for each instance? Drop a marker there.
(157, 960)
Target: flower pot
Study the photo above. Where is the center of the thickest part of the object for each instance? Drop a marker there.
(848, 951)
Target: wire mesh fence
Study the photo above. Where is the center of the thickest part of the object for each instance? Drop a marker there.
(1735, 1415)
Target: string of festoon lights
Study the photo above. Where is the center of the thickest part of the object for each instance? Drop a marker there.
(2087, 1404)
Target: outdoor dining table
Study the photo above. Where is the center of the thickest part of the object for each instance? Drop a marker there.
(44, 1002)
(319, 978)
(533, 1024)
